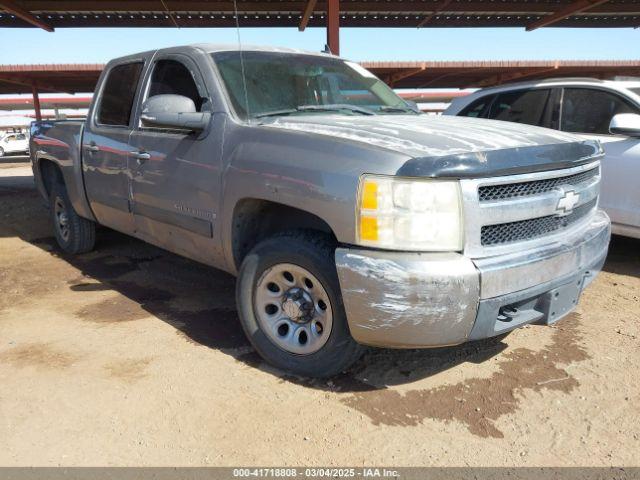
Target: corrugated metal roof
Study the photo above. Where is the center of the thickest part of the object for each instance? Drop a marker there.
(353, 13)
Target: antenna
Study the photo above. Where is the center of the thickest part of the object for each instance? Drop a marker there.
(244, 78)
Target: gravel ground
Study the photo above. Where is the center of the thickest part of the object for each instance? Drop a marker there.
(130, 355)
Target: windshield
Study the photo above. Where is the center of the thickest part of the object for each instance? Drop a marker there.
(288, 84)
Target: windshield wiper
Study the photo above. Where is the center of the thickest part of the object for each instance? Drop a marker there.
(335, 107)
(275, 113)
(387, 108)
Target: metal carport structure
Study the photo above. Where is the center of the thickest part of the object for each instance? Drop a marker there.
(529, 14)
(82, 78)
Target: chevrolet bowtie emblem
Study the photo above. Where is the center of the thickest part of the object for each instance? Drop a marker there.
(567, 202)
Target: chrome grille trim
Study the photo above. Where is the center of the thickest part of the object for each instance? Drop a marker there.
(502, 192)
(478, 214)
(532, 227)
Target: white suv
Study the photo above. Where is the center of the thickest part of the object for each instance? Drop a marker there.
(14, 143)
(608, 110)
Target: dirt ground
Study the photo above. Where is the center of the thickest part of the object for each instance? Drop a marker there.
(130, 355)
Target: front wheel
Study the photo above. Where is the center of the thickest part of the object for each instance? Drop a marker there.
(290, 305)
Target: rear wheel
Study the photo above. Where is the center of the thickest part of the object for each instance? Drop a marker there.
(74, 234)
(290, 305)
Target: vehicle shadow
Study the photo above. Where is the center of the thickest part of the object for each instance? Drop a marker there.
(199, 301)
(624, 256)
(11, 158)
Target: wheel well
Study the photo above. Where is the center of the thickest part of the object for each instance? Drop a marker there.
(50, 172)
(254, 220)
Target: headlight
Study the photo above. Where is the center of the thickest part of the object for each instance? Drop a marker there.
(409, 214)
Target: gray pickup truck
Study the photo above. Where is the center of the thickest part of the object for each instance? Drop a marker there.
(348, 217)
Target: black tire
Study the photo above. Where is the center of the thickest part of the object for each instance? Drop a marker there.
(80, 233)
(315, 253)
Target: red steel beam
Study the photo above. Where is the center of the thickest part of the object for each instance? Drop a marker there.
(36, 102)
(572, 9)
(333, 26)
(15, 9)
(306, 14)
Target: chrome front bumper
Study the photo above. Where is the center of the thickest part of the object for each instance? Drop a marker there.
(410, 300)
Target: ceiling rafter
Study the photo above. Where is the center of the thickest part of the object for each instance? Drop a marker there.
(396, 77)
(27, 82)
(572, 9)
(501, 78)
(15, 9)
(306, 14)
(437, 10)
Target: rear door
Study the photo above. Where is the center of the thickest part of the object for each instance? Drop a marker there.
(588, 112)
(106, 145)
(176, 173)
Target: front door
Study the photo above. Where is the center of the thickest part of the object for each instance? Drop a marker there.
(175, 174)
(588, 112)
(106, 147)
(620, 196)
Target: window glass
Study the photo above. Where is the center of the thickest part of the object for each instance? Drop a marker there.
(277, 82)
(118, 94)
(173, 77)
(345, 89)
(21, 136)
(476, 108)
(521, 106)
(586, 110)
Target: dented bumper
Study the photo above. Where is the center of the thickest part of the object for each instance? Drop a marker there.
(410, 300)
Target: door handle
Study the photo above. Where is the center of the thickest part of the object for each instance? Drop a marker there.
(141, 157)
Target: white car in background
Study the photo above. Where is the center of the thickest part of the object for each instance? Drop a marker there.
(607, 110)
(14, 143)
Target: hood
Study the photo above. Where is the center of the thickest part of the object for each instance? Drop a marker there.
(452, 146)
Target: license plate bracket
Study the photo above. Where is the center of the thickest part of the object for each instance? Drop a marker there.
(560, 301)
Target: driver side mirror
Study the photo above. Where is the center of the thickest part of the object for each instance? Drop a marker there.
(625, 124)
(173, 111)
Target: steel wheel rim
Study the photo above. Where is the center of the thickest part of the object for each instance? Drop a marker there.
(297, 315)
(62, 219)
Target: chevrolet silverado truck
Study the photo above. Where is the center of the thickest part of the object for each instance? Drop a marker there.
(348, 217)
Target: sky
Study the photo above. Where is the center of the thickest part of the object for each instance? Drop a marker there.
(71, 45)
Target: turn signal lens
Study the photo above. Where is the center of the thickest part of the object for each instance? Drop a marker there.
(370, 196)
(369, 228)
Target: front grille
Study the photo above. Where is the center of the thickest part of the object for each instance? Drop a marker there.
(533, 227)
(523, 189)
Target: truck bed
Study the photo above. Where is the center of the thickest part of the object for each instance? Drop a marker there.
(57, 143)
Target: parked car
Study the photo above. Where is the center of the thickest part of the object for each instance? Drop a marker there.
(606, 110)
(349, 218)
(14, 143)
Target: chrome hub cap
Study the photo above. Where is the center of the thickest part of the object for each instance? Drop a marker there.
(293, 309)
(62, 219)
(298, 305)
